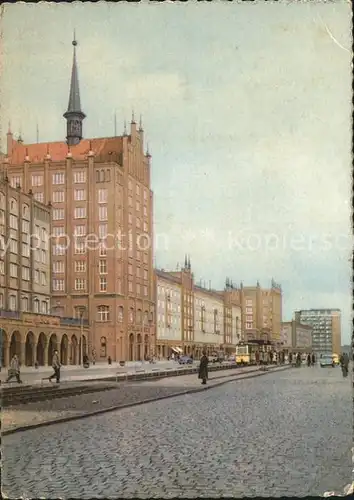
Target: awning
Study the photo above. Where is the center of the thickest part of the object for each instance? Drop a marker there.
(178, 350)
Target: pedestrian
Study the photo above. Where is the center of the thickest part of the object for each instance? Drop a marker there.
(344, 361)
(257, 357)
(298, 359)
(309, 360)
(56, 367)
(93, 356)
(271, 355)
(290, 358)
(203, 368)
(14, 370)
(313, 359)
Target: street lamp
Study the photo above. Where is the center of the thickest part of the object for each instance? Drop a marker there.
(82, 310)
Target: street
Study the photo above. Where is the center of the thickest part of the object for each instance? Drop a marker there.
(286, 433)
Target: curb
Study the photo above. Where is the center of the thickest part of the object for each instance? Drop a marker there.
(131, 405)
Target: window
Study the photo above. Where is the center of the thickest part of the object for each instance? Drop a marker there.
(103, 313)
(102, 213)
(24, 304)
(249, 319)
(58, 230)
(145, 212)
(44, 308)
(59, 178)
(130, 201)
(130, 287)
(25, 226)
(12, 302)
(14, 270)
(145, 195)
(80, 266)
(137, 289)
(43, 278)
(146, 317)
(139, 316)
(102, 196)
(131, 315)
(145, 274)
(248, 326)
(36, 276)
(80, 213)
(13, 206)
(102, 250)
(1, 300)
(37, 180)
(102, 230)
(80, 230)
(130, 269)
(15, 181)
(58, 267)
(80, 248)
(130, 185)
(58, 250)
(36, 306)
(25, 273)
(80, 284)
(58, 285)
(145, 291)
(103, 284)
(25, 211)
(138, 223)
(58, 196)
(248, 310)
(79, 177)
(137, 206)
(137, 272)
(13, 246)
(80, 195)
(248, 302)
(120, 315)
(13, 222)
(146, 227)
(103, 267)
(39, 197)
(130, 218)
(58, 214)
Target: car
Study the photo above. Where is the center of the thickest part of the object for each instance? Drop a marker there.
(326, 360)
(185, 360)
(213, 358)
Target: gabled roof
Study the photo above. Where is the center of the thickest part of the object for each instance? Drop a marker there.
(58, 151)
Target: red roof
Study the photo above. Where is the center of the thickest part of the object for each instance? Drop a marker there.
(58, 150)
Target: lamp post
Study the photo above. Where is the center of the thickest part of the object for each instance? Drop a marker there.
(82, 310)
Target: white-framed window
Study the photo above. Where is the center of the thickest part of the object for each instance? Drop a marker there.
(39, 197)
(248, 310)
(103, 267)
(58, 250)
(102, 230)
(13, 246)
(102, 249)
(43, 278)
(36, 276)
(25, 226)
(24, 304)
(13, 270)
(248, 302)
(80, 194)
(15, 181)
(248, 326)
(58, 267)
(103, 284)
(249, 319)
(58, 214)
(80, 266)
(120, 315)
(80, 248)
(102, 195)
(43, 256)
(145, 274)
(13, 303)
(13, 222)
(37, 180)
(130, 287)
(44, 307)
(103, 313)
(145, 291)
(58, 230)
(36, 306)
(58, 285)
(58, 196)
(25, 273)
(80, 284)
(80, 213)
(137, 190)
(13, 206)
(103, 213)
(59, 178)
(80, 177)
(80, 230)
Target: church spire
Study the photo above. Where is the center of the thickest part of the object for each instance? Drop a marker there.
(74, 116)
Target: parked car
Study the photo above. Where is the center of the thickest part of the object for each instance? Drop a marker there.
(326, 360)
(212, 358)
(185, 360)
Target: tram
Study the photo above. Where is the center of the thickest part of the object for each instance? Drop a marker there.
(246, 352)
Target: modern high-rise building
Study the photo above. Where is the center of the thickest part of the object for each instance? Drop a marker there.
(326, 329)
(102, 228)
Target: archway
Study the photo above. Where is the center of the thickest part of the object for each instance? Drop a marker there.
(146, 346)
(131, 347)
(138, 347)
(52, 346)
(74, 350)
(4, 346)
(64, 350)
(41, 344)
(29, 349)
(15, 345)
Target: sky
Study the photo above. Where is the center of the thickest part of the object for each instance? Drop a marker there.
(246, 107)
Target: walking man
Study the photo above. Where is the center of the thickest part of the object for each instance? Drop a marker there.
(56, 367)
(203, 368)
(14, 370)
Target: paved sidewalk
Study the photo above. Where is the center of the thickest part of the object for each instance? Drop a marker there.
(129, 393)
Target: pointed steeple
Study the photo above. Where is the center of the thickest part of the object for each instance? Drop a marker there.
(185, 262)
(189, 263)
(74, 116)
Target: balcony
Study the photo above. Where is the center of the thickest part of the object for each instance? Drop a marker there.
(9, 314)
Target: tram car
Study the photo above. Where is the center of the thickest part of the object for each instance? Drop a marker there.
(246, 352)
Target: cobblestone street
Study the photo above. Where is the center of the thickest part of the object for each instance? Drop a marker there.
(286, 433)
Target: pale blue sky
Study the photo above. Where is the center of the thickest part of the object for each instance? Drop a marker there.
(247, 111)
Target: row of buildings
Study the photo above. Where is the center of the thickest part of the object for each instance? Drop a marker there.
(76, 263)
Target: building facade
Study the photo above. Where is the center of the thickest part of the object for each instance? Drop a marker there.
(261, 312)
(29, 327)
(326, 329)
(102, 229)
(296, 337)
(208, 320)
